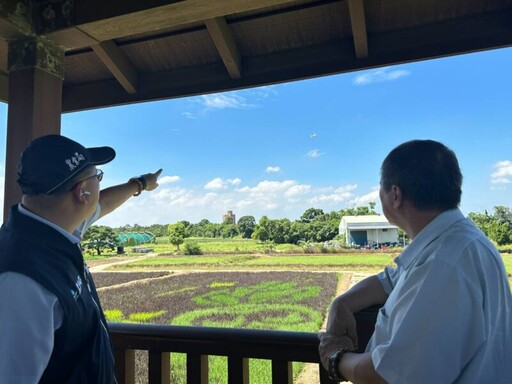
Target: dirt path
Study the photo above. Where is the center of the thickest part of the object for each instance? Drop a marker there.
(310, 374)
(93, 267)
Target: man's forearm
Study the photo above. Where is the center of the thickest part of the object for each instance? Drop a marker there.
(358, 368)
(113, 197)
(364, 294)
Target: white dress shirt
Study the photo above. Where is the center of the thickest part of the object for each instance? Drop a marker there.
(448, 318)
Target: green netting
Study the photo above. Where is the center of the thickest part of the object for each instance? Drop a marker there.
(135, 238)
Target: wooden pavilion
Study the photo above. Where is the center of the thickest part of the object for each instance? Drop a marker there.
(61, 56)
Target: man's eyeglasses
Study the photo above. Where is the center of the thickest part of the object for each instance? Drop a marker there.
(99, 175)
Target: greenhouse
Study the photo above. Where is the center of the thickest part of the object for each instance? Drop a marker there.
(135, 238)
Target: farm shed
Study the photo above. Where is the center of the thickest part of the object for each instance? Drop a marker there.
(368, 230)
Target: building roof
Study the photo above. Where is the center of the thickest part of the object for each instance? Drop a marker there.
(119, 52)
(366, 222)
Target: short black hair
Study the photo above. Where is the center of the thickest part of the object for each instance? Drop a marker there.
(426, 171)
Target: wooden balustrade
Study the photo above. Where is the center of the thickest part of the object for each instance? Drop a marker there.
(238, 345)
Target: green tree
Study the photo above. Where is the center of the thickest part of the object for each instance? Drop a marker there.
(99, 238)
(498, 226)
(228, 230)
(177, 234)
(311, 214)
(246, 226)
(298, 232)
(359, 211)
(500, 230)
(261, 230)
(482, 221)
(277, 231)
(199, 229)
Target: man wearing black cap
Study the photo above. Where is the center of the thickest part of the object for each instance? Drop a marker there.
(52, 328)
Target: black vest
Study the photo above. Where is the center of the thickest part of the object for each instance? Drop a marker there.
(82, 351)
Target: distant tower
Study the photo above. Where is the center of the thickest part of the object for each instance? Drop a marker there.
(229, 218)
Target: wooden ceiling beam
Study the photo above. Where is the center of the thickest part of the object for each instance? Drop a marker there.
(459, 36)
(118, 64)
(358, 22)
(128, 18)
(223, 39)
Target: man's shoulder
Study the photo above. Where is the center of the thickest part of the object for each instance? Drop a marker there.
(465, 232)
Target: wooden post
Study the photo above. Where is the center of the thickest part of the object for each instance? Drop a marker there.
(36, 71)
(125, 365)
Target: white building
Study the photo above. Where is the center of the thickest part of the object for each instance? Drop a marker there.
(368, 230)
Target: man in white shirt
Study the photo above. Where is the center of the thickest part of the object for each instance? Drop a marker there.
(447, 306)
(52, 329)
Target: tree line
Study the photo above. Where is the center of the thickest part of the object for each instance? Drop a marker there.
(314, 225)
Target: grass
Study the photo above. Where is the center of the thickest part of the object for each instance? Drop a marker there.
(356, 262)
(224, 246)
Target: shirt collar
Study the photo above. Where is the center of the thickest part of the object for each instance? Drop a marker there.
(69, 236)
(428, 234)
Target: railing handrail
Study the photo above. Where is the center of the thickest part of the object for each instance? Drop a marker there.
(298, 346)
(238, 345)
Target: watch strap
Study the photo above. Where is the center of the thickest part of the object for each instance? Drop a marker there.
(334, 360)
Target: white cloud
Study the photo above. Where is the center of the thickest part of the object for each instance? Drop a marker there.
(502, 173)
(363, 200)
(263, 92)
(272, 169)
(189, 115)
(277, 199)
(235, 181)
(168, 180)
(297, 190)
(218, 183)
(380, 75)
(338, 195)
(224, 101)
(314, 153)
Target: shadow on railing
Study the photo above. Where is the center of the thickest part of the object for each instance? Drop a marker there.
(238, 345)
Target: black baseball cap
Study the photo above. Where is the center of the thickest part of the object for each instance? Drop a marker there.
(50, 161)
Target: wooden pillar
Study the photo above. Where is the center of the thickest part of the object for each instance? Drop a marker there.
(36, 71)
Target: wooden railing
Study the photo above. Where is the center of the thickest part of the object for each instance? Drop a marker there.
(238, 345)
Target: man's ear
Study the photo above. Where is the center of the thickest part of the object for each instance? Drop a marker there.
(397, 196)
(78, 193)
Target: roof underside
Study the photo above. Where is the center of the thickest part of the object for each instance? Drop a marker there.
(119, 52)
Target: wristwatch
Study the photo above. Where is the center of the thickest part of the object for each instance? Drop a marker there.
(334, 360)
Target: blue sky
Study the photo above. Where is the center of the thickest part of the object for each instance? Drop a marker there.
(281, 149)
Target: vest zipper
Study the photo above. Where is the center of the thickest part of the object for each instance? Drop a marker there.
(103, 326)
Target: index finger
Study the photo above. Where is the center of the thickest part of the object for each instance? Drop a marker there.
(157, 173)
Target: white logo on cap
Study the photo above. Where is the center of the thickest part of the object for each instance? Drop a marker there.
(75, 161)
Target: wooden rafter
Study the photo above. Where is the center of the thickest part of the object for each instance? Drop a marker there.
(358, 21)
(117, 63)
(471, 34)
(135, 17)
(223, 39)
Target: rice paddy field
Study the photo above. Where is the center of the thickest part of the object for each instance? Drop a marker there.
(295, 301)
(249, 289)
